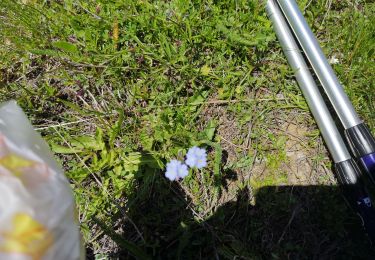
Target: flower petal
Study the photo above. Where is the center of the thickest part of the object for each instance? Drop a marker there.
(176, 170)
(183, 171)
(196, 157)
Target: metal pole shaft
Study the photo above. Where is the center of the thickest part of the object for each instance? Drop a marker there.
(323, 118)
(360, 139)
(322, 68)
(347, 171)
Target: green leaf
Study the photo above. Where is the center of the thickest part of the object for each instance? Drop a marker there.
(151, 161)
(197, 99)
(65, 46)
(147, 140)
(116, 128)
(77, 108)
(205, 70)
(79, 174)
(87, 142)
(217, 157)
(210, 130)
(60, 149)
(99, 138)
(51, 53)
(132, 162)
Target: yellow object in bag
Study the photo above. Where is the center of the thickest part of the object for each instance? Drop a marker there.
(37, 211)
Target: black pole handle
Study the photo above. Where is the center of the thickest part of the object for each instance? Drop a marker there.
(362, 144)
(349, 176)
(367, 213)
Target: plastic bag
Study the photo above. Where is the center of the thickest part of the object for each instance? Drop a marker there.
(37, 211)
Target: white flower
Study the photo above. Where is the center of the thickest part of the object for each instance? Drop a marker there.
(176, 170)
(196, 157)
(334, 60)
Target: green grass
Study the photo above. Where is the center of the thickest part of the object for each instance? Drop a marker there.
(118, 88)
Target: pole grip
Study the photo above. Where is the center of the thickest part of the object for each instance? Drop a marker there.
(362, 144)
(348, 175)
(367, 213)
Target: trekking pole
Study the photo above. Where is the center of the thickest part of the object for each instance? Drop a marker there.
(358, 135)
(347, 171)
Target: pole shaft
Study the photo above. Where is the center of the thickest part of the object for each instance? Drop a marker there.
(347, 172)
(322, 68)
(323, 118)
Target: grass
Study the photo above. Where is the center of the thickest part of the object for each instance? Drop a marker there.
(118, 88)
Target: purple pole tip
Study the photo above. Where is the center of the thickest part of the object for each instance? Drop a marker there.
(368, 162)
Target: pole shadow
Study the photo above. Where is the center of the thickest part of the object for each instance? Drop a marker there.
(286, 222)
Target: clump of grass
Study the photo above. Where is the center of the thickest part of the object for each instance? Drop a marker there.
(119, 88)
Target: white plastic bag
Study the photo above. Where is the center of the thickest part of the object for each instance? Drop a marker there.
(37, 211)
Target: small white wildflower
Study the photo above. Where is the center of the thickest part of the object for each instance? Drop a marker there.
(334, 60)
(196, 157)
(176, 170)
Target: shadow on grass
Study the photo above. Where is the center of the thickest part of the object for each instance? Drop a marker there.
(287, 222)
